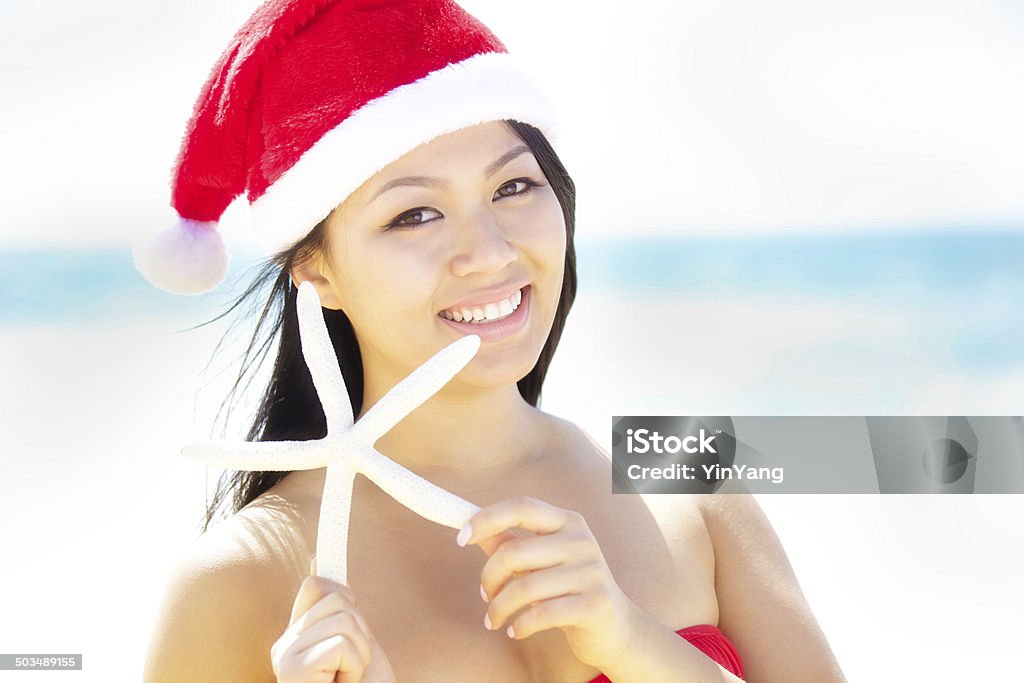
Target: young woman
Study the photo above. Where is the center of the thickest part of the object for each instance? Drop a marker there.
(463, 225)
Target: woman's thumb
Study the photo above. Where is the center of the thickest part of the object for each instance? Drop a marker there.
(312, 565)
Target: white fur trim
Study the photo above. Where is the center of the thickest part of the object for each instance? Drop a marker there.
(485, 87)
(188, 258)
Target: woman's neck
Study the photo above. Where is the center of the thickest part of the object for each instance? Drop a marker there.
(469, 438)
(474, 443)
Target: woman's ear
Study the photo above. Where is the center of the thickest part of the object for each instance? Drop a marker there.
(312, 271)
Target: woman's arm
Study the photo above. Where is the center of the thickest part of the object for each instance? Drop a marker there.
(761, 610)
(656, 654)
(761, 607)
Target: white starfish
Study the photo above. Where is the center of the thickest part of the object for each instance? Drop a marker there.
(348, 449)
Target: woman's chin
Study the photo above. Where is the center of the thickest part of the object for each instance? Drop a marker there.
(496, 368)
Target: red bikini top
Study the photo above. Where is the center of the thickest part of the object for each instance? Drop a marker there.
(709, 640)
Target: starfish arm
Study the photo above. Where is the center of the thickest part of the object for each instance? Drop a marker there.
(322, 360)
(332, 528)
(269, 456)
(421, 384)
(413, 491)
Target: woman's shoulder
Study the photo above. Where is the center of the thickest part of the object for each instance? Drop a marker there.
(244, 550)
(712, 520)
(271, 538)
(567, 435)
(227, 601)
(588, 450)
(585, 445)
(731, 500)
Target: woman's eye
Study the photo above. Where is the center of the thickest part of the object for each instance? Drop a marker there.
(414, 217)
(514, 187)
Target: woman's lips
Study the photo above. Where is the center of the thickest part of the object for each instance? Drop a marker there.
(497, 329)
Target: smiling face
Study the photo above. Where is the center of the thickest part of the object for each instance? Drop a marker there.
(462, 235)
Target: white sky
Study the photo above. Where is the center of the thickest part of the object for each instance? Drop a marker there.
(677, 116)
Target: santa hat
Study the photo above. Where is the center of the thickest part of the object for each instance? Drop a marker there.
(310, 99)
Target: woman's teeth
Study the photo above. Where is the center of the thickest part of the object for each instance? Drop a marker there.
(487, 312)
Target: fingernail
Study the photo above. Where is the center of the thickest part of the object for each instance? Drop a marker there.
(464, 534)
(483, 594)
(511, 633)
(487, 622)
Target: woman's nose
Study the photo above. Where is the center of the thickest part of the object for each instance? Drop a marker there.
(482, 246)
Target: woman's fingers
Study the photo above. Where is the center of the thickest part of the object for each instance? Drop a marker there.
(520, 555)
(569, 610)
(327, 639)
(536, 587)
(520, 512)
(489, 545)
(331, 634)
(347, 625)
(555, 576)
(333, 655)
(320, 662)
(344, 623)
(332, 603)
(313, 588)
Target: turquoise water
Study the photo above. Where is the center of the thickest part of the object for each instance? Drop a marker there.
(976, 276)
(90, 286)
(963, 266)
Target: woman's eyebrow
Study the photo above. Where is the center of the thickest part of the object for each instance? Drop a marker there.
(415, 180)
(427, 181)
(504, 159)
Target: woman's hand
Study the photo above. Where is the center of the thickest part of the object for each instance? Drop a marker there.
(556, 577)
(327, 639)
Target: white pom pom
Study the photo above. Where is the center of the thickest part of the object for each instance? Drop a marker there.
(188, 258)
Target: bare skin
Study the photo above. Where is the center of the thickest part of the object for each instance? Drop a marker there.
(684, 560)
(413, 582)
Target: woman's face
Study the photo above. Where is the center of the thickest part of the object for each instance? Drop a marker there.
(462, 235)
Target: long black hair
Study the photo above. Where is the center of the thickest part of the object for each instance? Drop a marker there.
(289, 409)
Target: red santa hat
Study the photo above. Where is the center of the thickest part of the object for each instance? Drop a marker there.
(310, 99)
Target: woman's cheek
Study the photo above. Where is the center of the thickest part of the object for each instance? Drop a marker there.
(544, 231)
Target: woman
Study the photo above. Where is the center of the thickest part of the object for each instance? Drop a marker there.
(463, 225)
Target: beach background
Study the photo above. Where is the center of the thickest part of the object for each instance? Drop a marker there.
(784, 209)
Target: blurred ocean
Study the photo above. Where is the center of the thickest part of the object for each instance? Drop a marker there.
(975, 279)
